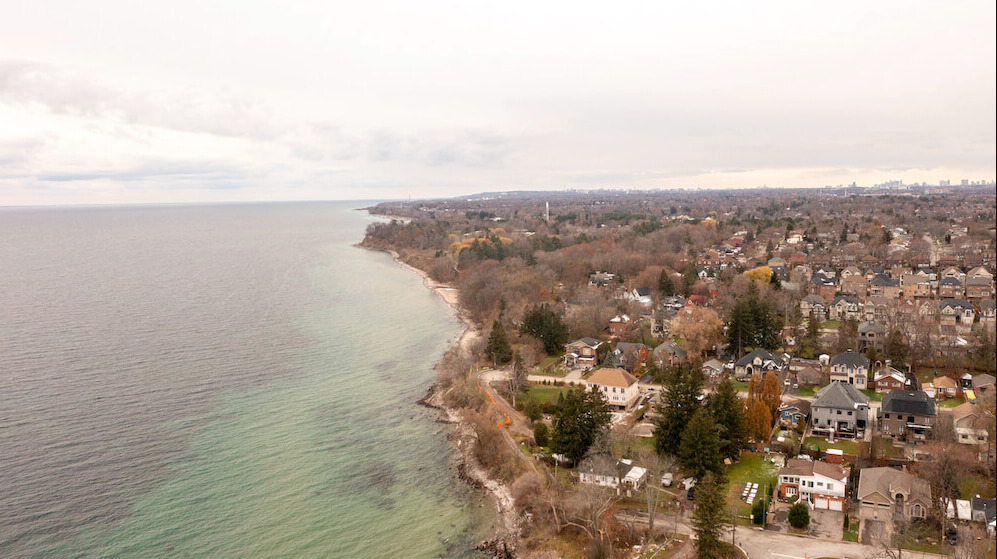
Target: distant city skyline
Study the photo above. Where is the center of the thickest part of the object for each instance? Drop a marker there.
(223, 101)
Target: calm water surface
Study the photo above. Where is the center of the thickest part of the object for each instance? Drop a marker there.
(219, 381)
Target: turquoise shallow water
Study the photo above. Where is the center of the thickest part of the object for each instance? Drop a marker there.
(220, 381)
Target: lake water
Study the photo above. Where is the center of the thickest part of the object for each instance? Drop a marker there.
(220, 381)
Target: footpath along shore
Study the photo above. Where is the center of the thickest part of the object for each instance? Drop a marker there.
(504, 538)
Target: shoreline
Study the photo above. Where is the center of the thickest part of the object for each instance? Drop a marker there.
(504, 535)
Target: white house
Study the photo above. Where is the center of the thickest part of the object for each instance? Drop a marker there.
(605, 471)
(617, 386)
(850, 367)
(818, 484)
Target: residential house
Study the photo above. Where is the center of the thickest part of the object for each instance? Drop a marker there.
(839, 410)
(814, 305)
(888, 379)
(810, 375)
(887, 494)
(818, 484)
(872, 334)
(979, 272)
(951, 288)
(713, 368)
(606, 471)
(873, 271)
(601, 279)
(884, 286)
(823, 286)
(618, 324)
(850, 271)
(582, 354)
(907, 415)
(616, 385)
(855, 285)
(628, 356)
(794, 412)
(983, 384)
(757, 363)
(979, 287)
(669, 353)
(953, 273)
(844, 307)
(957, 314)
(970, 424)
(852, 368)
(878, 309)
(641, 295)
(915, 286)
(943, 388)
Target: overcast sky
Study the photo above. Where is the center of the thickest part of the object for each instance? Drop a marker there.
(211, 100)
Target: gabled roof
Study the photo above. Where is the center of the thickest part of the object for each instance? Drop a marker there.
(590, 342)
(850, 359)
(887, 481)
(890, 372)
(883, 280)
(950, 281)
(612, 377)
(671, 348)
(870, 326)
(983, 380)
(909, 402)
(799, 467)
(814, 299)
(761, 353)
(802, 405)
(847, 299)
(839, 395)
(957, 304)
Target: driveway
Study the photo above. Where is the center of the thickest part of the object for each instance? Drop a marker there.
(827, 524)
(875, 531)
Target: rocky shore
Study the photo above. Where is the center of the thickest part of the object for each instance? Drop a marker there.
(504, 539)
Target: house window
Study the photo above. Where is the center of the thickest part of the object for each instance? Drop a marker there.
(887, 416)
(849, 413)
(830, 487)
(839, 412)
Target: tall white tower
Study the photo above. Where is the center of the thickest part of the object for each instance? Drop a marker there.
(547, 213)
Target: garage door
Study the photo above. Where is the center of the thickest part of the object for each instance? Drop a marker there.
(820, 503)
(836, 505)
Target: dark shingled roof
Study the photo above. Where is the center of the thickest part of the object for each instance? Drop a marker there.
(850, 358)
(909, 402)
(955, 304)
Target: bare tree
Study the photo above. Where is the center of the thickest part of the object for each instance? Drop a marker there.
(656, 466)
(585, 507)
(517, 377)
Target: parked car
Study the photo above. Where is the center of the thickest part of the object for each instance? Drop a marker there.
(952, 535)
(666, 480)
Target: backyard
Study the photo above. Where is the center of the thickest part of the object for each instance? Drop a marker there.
(847, 446)
(752, 467)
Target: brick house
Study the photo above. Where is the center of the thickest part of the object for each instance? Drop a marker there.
(818, 484)
(907, 415)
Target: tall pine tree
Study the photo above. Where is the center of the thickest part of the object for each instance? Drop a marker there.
(710, 516)
(699, 451)
(727, 409)
(679, 402)
(498, 349)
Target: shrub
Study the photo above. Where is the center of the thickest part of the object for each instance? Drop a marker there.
(758, 512)
(799, 515)
(533, 410)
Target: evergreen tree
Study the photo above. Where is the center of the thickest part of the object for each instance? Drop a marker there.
(710, 516)
(541, 434)
(498, 349)
(699, 452)
(799, 515)
(580, 417)
(727, 409)
(679, 402)
(753, 323)
(665, 284)
(542, 323)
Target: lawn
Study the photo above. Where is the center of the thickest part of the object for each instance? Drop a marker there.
(541, 394)
(873, 395)
(740, 386)
(887, 448)
(750, 468)
(852, 533)
(973, 485)
(830, 324)
(951, 402)
(846, 446)
(807, 390)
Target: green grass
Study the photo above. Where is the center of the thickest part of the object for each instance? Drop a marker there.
(642, 443)
(830, 324)
(846, 446)
(973, 485)
(751, 467)
(740, 386)
(852, 533)
(807, 390)
(951, 402)
(888, 450)
(873, 395)
(541, 394)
